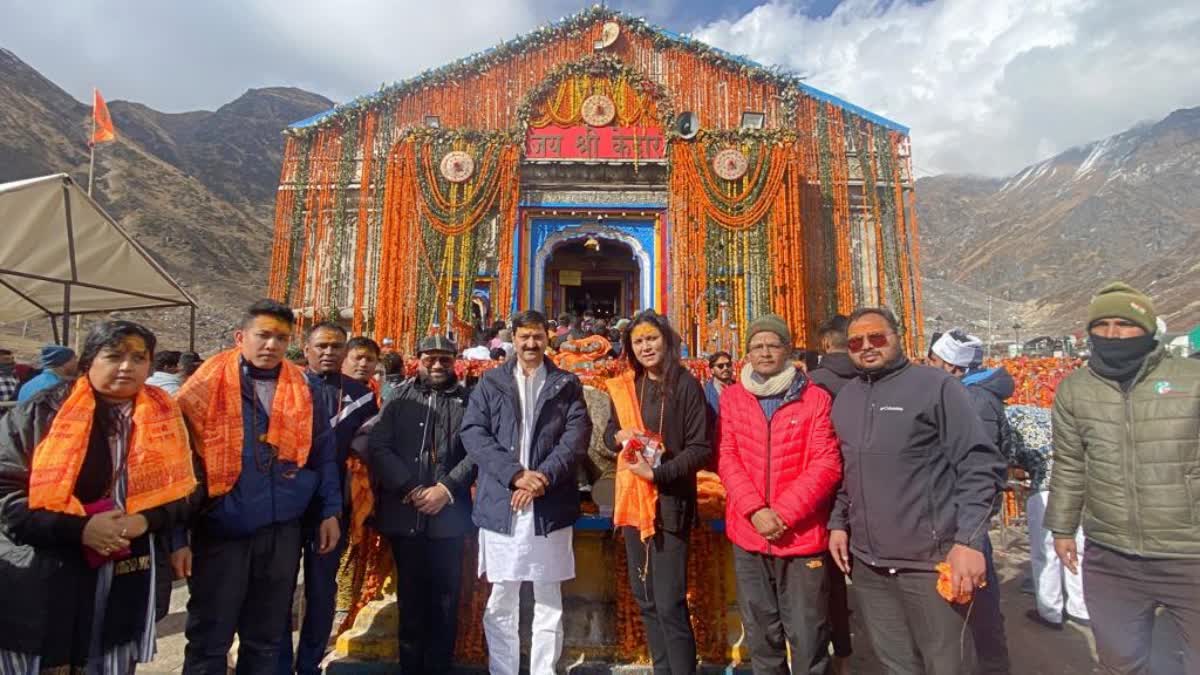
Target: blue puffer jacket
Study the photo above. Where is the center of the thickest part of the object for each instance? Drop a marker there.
(282, 493)
(491, 433)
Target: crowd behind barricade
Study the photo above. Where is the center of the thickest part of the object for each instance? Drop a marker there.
(868, 474)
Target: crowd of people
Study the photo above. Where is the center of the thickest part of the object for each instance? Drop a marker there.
(126, 467)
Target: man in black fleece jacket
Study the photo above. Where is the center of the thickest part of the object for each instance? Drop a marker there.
(921, 480)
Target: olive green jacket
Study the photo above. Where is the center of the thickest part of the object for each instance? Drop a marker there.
(1128, 463)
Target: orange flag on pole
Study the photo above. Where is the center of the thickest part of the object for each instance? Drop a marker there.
(102, 126)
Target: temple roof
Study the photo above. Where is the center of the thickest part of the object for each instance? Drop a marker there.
(588, 17)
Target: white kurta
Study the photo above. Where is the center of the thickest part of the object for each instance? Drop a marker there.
(523, 555)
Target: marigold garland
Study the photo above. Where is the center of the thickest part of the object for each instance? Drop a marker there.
(411, 231)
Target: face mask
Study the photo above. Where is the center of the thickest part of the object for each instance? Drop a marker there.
(1120, 359)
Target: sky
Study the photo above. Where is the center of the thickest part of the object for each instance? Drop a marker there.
(987, 86)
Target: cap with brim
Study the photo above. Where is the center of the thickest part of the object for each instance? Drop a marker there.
(436, 343)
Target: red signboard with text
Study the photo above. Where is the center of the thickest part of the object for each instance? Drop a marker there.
(603, 143)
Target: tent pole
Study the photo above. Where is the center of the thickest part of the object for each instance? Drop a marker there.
(54, 327)
(192, 329)
(66, 315)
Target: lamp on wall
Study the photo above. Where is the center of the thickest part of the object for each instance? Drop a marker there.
(754, 120)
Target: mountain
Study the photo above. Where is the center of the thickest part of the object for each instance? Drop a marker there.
(1127, 207)
(196, 188)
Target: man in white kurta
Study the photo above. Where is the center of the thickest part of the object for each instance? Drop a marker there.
(530, 451)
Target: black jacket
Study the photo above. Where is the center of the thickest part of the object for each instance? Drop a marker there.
(491, 433)
(347, 404)
(989, 389)
(920, 473)
(44, 581)
(688, 449)
(836, 370)
(416, 443)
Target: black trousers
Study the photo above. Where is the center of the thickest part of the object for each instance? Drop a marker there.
(987, 622)
(658, 579)
(241, 586)
(428, 577)
(913, 630)
(1123, 592)
(839, 611)
(784, 602)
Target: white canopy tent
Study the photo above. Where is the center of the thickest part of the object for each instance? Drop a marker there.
(61, 254)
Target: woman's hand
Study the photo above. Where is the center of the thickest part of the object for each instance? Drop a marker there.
(625, 435)
(102, 533)
(134, 526)
(641, 468)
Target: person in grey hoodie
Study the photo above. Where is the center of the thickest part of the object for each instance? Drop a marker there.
(961, 355)
(920, 482)
(166, 372)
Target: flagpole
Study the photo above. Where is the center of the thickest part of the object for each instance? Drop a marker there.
(92, 145)
(91, 173)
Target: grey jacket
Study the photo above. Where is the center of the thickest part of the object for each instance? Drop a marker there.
(1127, 464)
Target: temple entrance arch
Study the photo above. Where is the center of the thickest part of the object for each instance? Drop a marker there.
(593, 267)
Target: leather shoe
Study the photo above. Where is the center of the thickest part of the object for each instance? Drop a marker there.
(1033, 616)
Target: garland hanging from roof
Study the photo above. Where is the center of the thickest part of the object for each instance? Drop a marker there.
(430, 253)
(558, 99)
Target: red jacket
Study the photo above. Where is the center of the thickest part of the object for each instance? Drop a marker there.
(793, 467)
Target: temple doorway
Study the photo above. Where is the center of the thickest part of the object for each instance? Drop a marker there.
(593, 274)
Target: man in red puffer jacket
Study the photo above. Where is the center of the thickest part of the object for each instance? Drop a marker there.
(780, 462)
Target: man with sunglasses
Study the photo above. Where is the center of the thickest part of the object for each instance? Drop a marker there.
(921, 480)
(1127, 468)
(721, 365)
(422, 478)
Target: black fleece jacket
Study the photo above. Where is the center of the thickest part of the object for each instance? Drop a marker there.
(920, 472)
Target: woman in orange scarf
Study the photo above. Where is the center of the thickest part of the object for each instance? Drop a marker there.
(92, 474)
(659, 425)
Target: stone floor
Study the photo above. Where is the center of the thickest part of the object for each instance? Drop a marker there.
(1034, 650)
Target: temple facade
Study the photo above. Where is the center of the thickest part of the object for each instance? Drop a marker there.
(598, 164)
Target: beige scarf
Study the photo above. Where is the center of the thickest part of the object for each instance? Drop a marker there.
(763, 387)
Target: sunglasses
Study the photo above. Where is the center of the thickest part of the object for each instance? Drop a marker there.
(722, 364)
(858, 343)
(430, 360)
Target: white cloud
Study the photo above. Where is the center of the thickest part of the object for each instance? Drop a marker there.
(987, 86)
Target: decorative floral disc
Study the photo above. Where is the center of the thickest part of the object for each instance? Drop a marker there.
(457, 166)
(730, 164)
(598, 110)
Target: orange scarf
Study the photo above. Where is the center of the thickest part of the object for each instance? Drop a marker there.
(636, 499)
(158, 468)
(212, 401)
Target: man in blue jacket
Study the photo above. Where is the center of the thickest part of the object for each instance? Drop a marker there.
(347, 404)
(268, 455)
(526, 426)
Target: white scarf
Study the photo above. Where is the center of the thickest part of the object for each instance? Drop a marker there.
(763, 387)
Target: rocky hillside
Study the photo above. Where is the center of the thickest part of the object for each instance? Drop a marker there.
(1127, 206)
(196, 188)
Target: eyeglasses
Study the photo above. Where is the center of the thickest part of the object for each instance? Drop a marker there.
(723, 364)
(762, 347)
(858, 342)
(428, 361)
